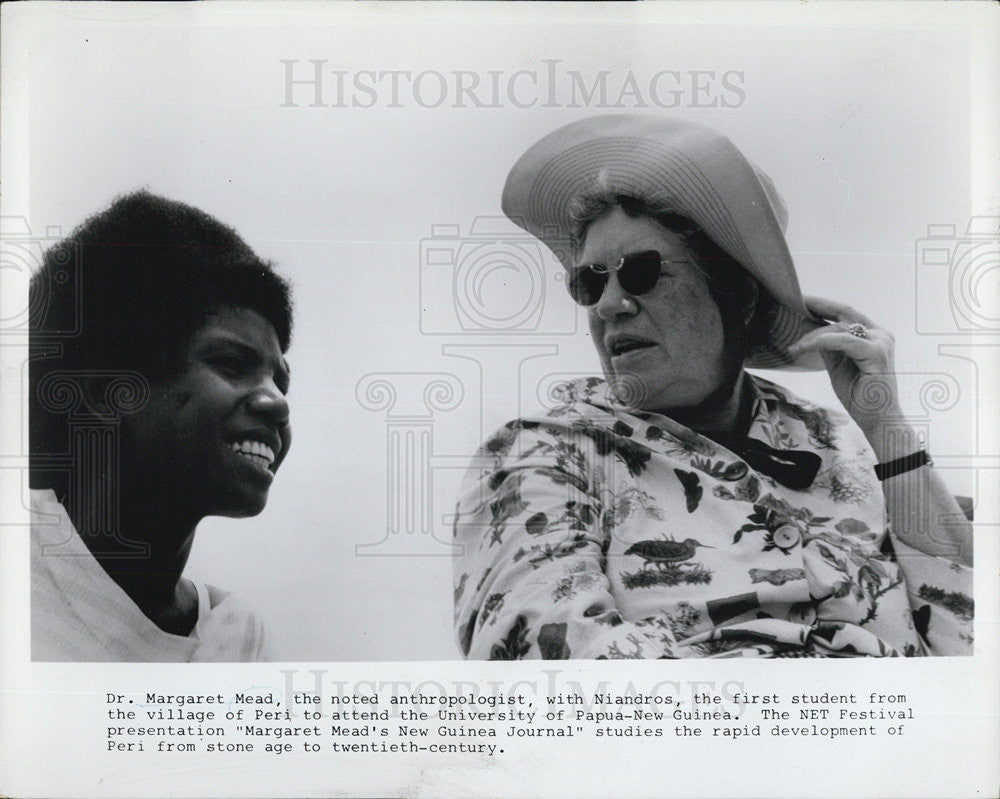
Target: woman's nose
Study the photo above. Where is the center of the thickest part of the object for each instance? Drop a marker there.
(268, 401)
(615, 301)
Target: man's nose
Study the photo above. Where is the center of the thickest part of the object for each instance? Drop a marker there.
(268, 400)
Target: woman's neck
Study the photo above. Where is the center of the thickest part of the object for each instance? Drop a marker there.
(723, 414)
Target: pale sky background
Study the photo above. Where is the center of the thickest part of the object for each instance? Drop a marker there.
(865, 131)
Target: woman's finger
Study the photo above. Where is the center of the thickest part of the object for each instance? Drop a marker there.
(836, 311)
(831, 339)
(873, 335)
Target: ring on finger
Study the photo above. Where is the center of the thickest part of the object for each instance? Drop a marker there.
(858, 329)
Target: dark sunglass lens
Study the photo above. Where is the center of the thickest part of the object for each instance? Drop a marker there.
(639, 272)
(585, 285)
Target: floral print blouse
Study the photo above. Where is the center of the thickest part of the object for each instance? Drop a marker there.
(597, 532)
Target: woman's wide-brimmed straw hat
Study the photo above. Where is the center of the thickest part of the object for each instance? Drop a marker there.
(690, 168)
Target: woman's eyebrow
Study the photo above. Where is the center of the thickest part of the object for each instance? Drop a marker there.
(615, 260)
(222, 339)
(285, 373)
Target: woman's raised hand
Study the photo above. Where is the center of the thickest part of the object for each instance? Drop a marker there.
(858, 355)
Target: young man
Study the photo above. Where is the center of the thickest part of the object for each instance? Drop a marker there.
(158, 384)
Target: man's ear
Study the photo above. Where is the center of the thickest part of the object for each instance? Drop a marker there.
(112, 394)
(94, 390)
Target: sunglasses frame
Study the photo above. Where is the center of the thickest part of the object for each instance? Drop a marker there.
(607, 271)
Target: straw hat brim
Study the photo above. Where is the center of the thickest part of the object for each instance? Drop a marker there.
(690, 168)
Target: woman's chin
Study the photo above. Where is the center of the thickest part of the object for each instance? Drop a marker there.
(639, 391)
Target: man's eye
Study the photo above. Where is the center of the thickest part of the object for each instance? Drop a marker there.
(230, 367)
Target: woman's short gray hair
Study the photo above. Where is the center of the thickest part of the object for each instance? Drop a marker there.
(601, 197)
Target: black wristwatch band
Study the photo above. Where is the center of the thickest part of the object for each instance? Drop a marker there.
(883, 471)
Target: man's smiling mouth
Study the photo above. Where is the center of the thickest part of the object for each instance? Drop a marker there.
(256, 452)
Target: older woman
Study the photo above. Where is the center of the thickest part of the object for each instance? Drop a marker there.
(682, 507)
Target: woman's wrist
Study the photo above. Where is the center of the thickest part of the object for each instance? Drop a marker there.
(886, 470)
(890, 441)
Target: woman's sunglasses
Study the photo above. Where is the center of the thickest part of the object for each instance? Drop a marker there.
(637, 272)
